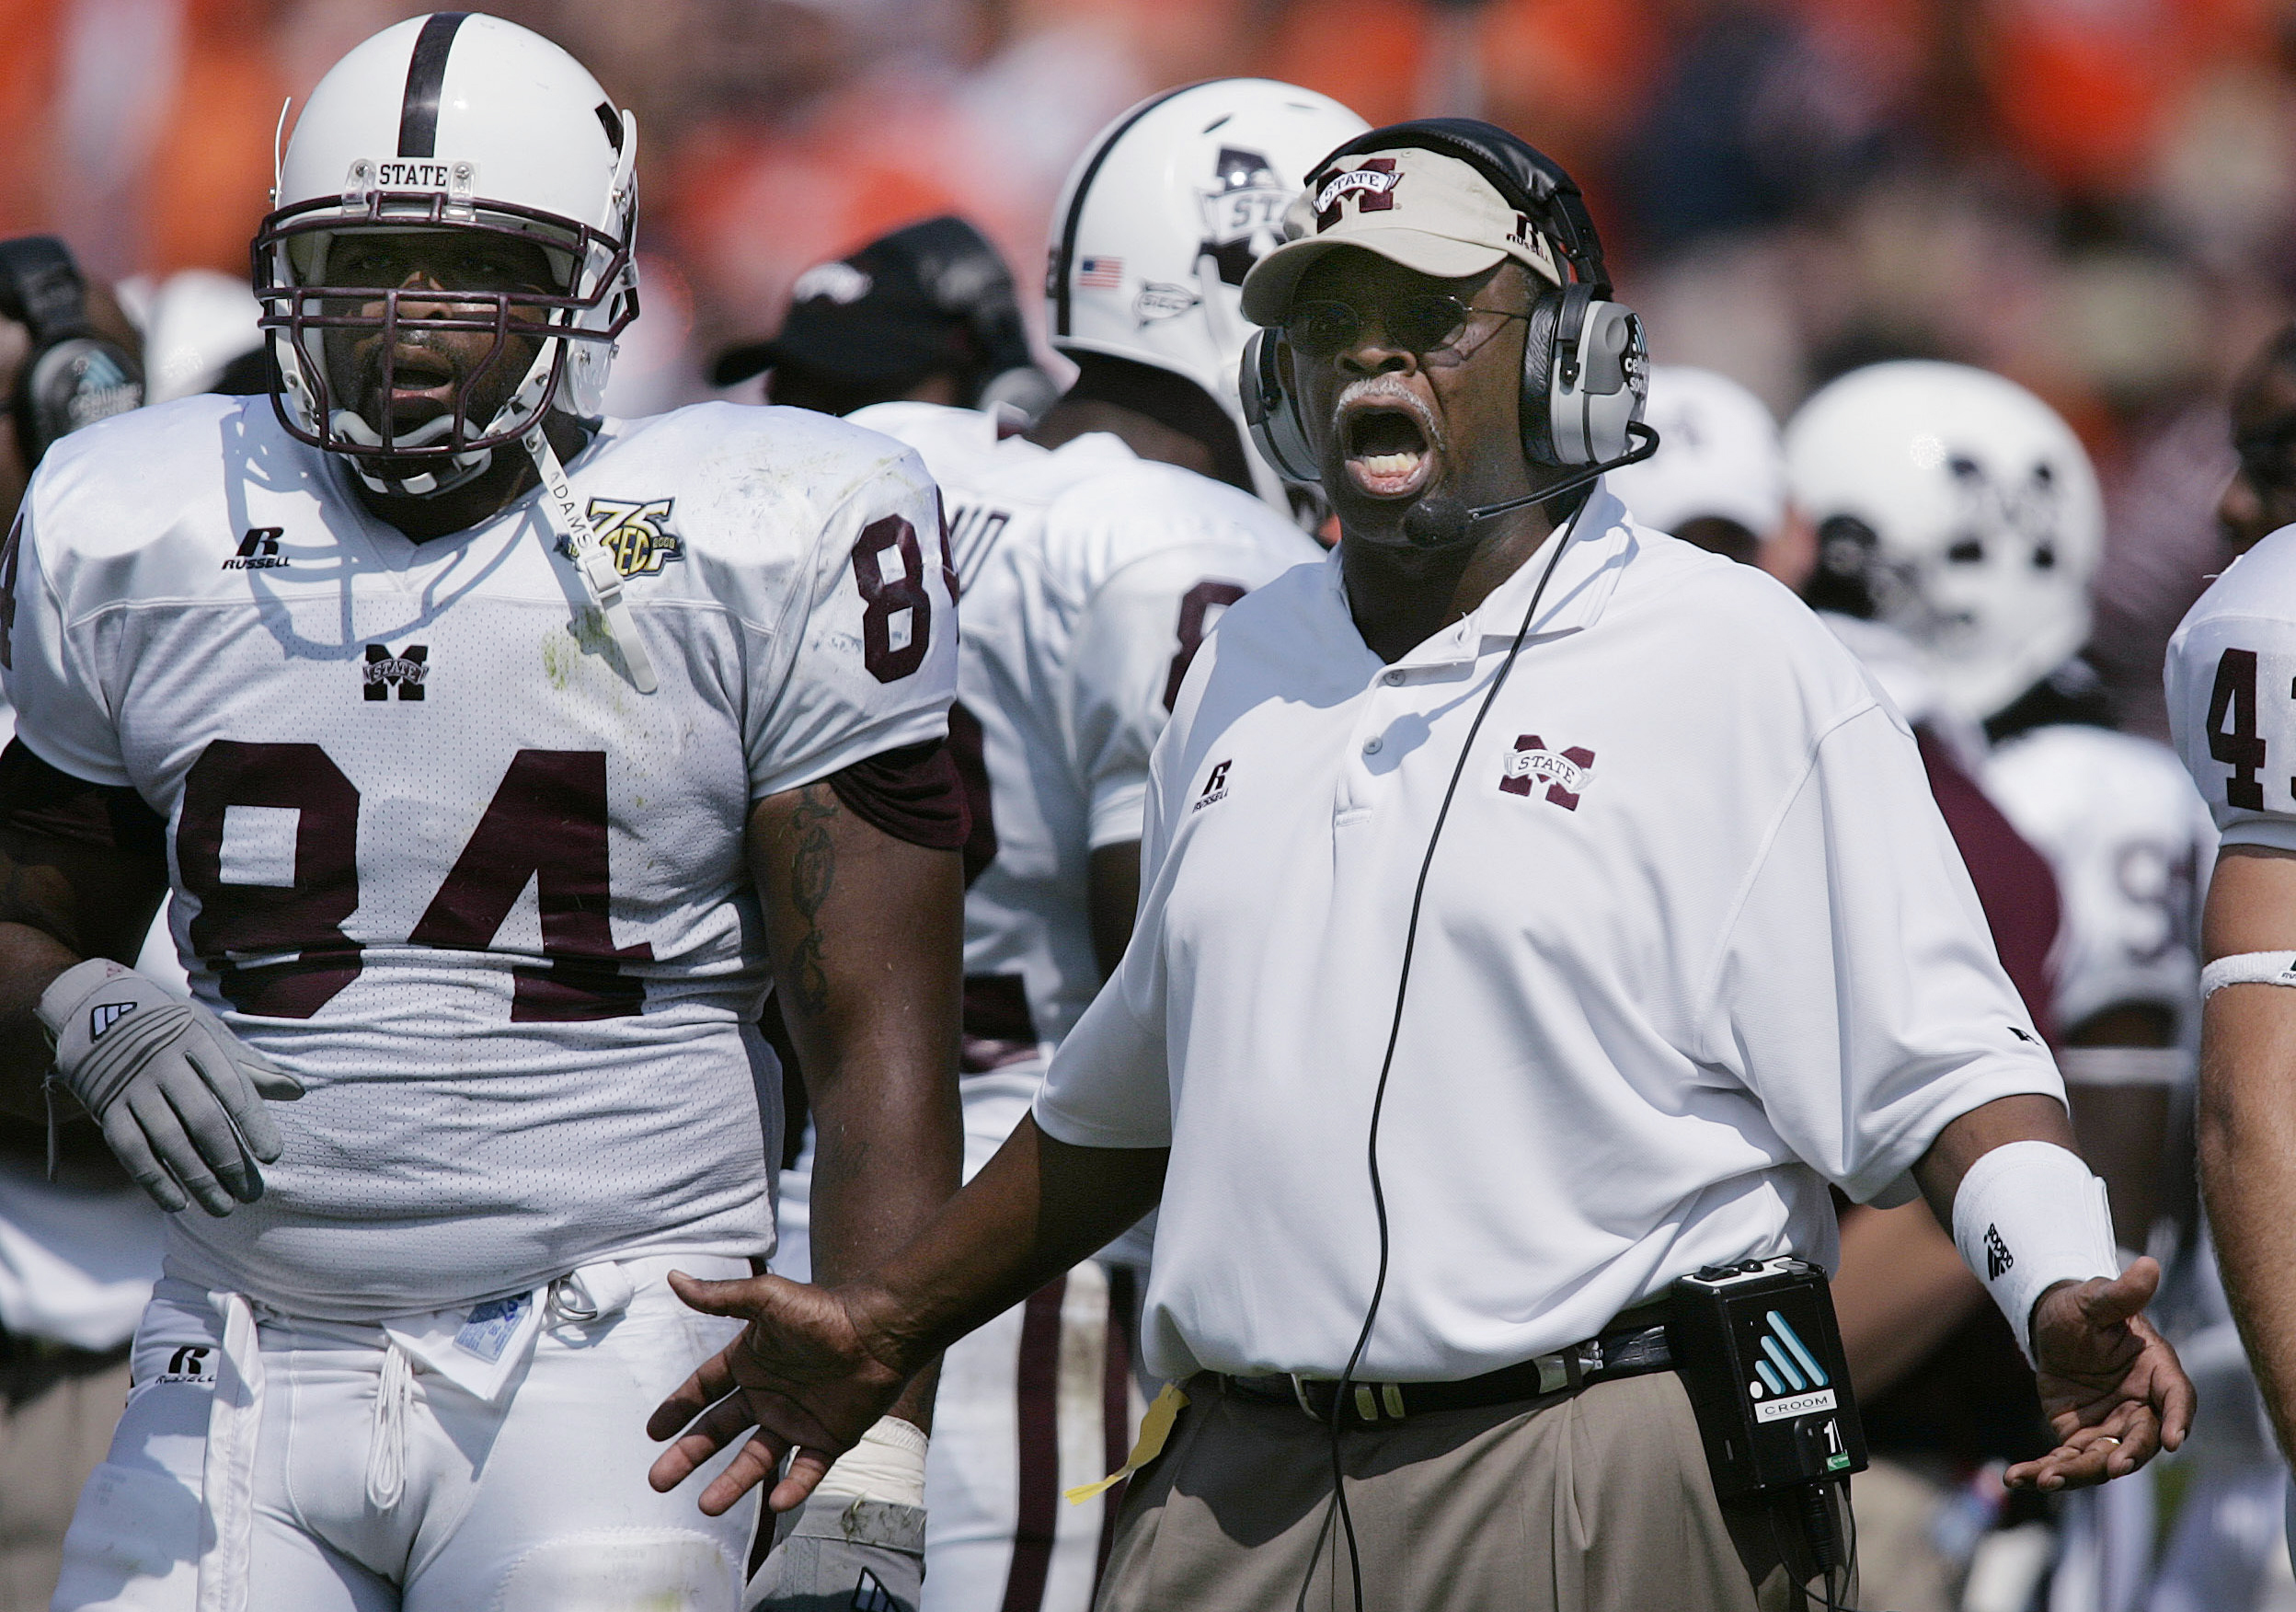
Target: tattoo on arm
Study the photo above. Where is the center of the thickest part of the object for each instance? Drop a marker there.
(812, 871)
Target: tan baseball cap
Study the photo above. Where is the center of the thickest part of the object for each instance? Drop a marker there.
(1426, 210)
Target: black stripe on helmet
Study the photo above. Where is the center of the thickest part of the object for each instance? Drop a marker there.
(1064, 259)
(426, 73)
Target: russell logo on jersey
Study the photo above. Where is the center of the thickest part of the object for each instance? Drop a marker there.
(259, 550)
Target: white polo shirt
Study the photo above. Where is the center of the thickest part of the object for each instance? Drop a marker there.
(1696, 943)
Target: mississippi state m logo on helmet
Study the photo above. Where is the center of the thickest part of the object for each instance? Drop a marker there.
(1243, 212)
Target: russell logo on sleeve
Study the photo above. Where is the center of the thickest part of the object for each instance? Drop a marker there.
(1215, 788)
(1566, 773)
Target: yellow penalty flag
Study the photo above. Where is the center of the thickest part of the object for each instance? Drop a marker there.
(1154, 1428)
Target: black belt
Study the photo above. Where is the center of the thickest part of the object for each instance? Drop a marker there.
(1623, 1351)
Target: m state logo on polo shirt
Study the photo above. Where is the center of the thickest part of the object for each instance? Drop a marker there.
(1566, 773)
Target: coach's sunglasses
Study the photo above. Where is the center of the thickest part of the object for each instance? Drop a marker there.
(1424, 322)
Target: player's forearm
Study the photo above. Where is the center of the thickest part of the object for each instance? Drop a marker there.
(30, 959)
(867, 939)
(1033, 1212)
(2247, 1134)
(886, 1158)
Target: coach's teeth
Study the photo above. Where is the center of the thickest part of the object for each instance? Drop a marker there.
(1391, 464)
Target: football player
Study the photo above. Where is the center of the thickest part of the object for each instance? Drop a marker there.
(1960, 513)
(1093, 554)
(2228, 665)
(498, 754)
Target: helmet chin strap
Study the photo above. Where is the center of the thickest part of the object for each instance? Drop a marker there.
(462, 468)
(458, 471)
(591, 559)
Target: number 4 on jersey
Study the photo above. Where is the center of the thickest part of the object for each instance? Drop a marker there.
(545, 824)
(2238, 746)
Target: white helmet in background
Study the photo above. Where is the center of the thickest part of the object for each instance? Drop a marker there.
(456, 121)
(1967, 511)
(1163, 216)
(1719, 457)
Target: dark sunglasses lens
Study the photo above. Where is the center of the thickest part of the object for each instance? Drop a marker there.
(1426, 323)
(1319, 330)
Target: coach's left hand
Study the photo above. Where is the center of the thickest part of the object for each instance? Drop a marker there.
(2112, 1387)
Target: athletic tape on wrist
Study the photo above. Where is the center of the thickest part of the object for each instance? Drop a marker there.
(886, 1465)
(2249, 968)
(2028, 1215)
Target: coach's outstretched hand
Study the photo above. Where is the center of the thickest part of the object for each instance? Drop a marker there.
(804, 1374)
(2111, 1386)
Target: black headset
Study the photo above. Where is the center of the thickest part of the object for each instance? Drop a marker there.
(1585, 364)
(74, 376)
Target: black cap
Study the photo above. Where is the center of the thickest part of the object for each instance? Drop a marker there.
(904, 305)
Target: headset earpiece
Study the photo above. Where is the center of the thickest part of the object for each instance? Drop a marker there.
(1597, 379)
(1271, 412)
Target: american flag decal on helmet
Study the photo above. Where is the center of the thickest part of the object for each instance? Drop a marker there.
(1103, 274)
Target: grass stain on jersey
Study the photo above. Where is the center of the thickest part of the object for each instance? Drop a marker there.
(587, 634)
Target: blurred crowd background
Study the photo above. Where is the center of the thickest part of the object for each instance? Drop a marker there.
(2095, 197)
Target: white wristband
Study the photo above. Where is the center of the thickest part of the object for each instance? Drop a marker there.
(886, 1465)
(2028, 1215)
(2249, 968)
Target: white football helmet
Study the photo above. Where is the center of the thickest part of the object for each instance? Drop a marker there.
(1966, 509)
(454, 121)
(1718, 456)
(1163, 216)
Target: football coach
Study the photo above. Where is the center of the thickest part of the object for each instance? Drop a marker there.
(1536, 911)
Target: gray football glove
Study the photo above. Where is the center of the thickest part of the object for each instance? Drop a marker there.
(837, 1553)
(180, 1098)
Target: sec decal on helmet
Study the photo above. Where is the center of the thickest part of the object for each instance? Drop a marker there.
(462, 125)
(1956, 507)
(1165, 214)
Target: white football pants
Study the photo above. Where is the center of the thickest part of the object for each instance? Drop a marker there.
(1033, 1404)
(272, 1464)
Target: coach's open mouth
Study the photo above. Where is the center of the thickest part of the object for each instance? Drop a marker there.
(1388, 453)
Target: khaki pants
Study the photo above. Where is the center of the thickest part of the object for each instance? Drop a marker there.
(56, 1419)
(1598, 1504)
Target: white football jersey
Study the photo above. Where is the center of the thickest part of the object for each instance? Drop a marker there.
(2231, 681)
(2130, 843)
(1089, 577)
(430, 848)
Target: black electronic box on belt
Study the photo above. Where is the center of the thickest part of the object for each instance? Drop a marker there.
(1758, 1350)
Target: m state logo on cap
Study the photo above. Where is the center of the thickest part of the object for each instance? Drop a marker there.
(1372, 186)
